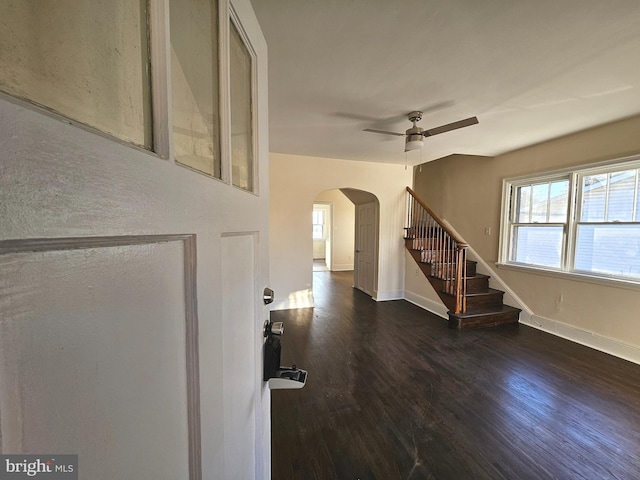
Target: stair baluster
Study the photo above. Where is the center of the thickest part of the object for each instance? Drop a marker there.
(439, 247)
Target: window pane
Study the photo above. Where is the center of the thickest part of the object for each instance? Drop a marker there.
(318, 216)
(622, 187)
(558, 201)
(241, 116)
(194, 84)
(540, 203)
(318, 232)
(609, 249)
(524, 204)
(85, 60)
(537, 245)
(594, 193)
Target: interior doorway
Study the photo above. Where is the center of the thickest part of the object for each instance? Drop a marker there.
(347, 235)
(321, 234)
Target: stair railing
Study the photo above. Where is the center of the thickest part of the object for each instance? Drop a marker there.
(439, 246)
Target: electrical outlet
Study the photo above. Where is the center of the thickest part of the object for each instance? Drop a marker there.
(487, 231)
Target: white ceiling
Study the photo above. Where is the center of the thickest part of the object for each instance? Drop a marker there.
(530, 70)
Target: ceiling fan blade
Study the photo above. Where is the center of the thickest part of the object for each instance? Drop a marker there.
(450, 126)
(384, 132)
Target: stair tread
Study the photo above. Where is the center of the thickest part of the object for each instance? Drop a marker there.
(480, 311)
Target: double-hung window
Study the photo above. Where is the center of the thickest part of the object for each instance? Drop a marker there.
(318, 225)
(539, 223)
(585, 221)
(608, 223)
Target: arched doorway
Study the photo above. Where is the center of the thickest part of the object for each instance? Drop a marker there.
(352, 234)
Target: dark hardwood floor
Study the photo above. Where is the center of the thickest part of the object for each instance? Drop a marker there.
(393, 393)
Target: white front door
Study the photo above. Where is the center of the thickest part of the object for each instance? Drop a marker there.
(366, 247)
(131, 303)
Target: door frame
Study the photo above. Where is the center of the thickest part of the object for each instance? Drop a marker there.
(328, 223)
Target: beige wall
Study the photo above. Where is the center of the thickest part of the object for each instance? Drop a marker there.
(342, 229)
(295, 182)
(466, 191)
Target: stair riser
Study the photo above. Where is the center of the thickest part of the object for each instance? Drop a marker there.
(474, 285)
(484, 321)
(439, 270)
(489, 300)
(477, 285)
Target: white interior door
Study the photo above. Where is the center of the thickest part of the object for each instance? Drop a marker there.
(130, 302)
(366, 247)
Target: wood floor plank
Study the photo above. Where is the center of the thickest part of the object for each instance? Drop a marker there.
(393, 393)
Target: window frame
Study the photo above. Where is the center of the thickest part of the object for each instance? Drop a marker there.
(513, 224)
(574, 210)
(232, 18)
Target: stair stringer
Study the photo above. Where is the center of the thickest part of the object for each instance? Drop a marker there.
(447, 301)
(432, 303)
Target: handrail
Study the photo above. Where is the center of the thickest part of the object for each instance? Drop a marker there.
(439, 247)
(451, 233)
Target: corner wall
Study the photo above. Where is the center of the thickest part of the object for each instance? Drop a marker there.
(466, 191)
(295, 181)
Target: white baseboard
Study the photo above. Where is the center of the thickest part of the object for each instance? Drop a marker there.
(432, 306)
(553, 327)
(386, 296)
(345, 267)
(584, 337)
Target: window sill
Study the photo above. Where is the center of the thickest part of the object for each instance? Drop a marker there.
(578, 277)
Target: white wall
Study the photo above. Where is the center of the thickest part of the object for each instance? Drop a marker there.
(342, 229)
(295, 181)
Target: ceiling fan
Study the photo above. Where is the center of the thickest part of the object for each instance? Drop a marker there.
(414, 136)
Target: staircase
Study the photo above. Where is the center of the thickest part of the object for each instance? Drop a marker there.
(442, 257)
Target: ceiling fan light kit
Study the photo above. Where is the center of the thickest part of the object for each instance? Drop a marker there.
(413, 142)
(414, 136)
